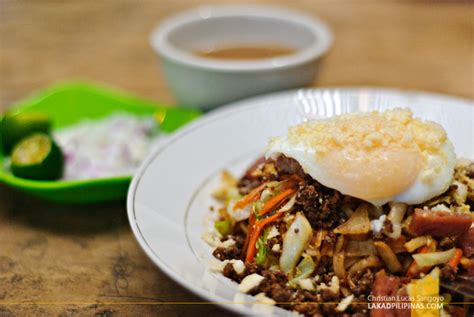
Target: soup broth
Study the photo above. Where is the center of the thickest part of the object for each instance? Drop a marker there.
(246, 52)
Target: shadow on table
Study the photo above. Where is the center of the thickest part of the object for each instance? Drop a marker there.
(71, 219)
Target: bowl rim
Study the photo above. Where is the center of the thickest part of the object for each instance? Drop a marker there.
(159, 38)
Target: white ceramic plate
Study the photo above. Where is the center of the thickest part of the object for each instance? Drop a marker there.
(169, 197)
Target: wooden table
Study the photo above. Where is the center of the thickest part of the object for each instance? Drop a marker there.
(77, 260)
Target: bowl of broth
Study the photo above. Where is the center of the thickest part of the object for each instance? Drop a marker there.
(214, 55)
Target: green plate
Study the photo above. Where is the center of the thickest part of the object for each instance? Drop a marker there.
(68, 104)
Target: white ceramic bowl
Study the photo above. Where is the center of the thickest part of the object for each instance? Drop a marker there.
(206, 83)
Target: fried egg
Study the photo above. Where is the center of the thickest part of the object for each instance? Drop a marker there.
(378, 157)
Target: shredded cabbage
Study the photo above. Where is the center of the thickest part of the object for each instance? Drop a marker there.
(294, 243)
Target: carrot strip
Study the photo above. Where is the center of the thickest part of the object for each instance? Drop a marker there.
(454, 261)
(414, 270)
(274, 201)
(250, 197)
(259, 226)
(249, 233)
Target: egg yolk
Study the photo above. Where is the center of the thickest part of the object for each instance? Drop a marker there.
(384, 172)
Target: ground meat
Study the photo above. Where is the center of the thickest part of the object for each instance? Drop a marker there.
(324, 266)
(232, 252)
(457, 311)
(286, 165)
(305, 303)
(279, 293)
(377, 235)
(469, 170)
(448, 273)
(446, 243)
(229, 272)
(246, 184)
(363, 281)
(387, 226)
(275, 277)
(330, 238)
(238, 230)
(251, 268)
(274, 285)
(359, 309)
(328, 308)
(321, 205)
(273, 241)
(255, 175)
(466, 242)
(239, 240)
(328, 299)
(308, 310)
(309, 303)
(256, 165)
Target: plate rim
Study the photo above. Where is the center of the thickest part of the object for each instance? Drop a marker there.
(226, 110)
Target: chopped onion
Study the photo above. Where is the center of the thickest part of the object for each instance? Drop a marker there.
(415, 243)
(338, 258)
(357, 224)
(398, 245)
(433, 258)
(461, 192)
(273, 232)
(103, 148)
(343, 304)
(360, 248)
(263, 299)
(294, 242)
(396, 214)
(388, 256)
(306, 284)
(250, 282)
(267, 193)
(338, 264)
(369, 262)
(238, 214)
(350, 261)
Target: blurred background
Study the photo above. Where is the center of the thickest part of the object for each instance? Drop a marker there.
(56, 254)
(421, 45)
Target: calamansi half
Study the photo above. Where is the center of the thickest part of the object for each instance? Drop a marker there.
(37, 157)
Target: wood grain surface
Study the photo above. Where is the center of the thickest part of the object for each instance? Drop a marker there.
(64, 260)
